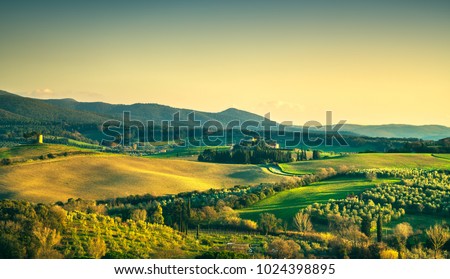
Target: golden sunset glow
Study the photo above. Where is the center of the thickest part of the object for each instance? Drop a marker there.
(368, 63)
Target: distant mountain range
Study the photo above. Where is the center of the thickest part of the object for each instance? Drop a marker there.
(155, 112)
(427, 132)
(22, 109)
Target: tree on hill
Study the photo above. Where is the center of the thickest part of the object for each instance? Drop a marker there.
(371, 176)
(402, 232)
(302, 222)
(316, 154)
(157, 216)
(283, 249)
(438, 235)
(96, 248)
(139, 215)
(304, 157)
(48, 239)
(6, 161)
(379, 228)
(389, 254)
(268, 222)
(366, 225)
(28, 135)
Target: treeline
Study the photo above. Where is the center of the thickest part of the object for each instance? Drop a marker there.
(427, 179)
(241, 156)
(424, 146)
(257, 155)
(42, 157)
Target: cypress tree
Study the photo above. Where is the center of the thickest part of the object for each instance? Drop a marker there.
(198, 231)
(379, 228)
(366, 226)
(189, 209)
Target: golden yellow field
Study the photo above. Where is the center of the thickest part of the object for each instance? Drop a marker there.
(106, 176)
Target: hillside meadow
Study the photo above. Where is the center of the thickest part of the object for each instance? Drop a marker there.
(33, 151)
(286, 204)
(442, 156)
(372, 160)
(109, 176)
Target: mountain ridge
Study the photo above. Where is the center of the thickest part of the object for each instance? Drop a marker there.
(18, 108)
(153, 111)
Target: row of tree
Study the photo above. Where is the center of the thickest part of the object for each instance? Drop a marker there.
(247, 156)
(257, 152)
(424, 146)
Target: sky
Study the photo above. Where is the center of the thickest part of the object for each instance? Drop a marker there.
(369, 62)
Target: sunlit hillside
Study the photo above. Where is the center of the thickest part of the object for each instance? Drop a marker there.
(109, 176)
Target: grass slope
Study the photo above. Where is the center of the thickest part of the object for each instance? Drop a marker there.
(286, 204)
(106, 176)
(33, 151)
(372, 160)
(442, 156)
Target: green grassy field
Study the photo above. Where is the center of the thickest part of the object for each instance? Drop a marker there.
(286, 204)
(33, 151)
(108, 176)
(84, 144)
(274, 169)
(442, 156)
(372, 160)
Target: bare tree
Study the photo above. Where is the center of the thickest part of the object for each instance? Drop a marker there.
(48, 239)
(401, 232)
(438, 236)
(302, 222)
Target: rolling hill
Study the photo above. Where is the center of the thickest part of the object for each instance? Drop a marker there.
(25, 152)
(286, 204)
(371, 160)
(109, 176)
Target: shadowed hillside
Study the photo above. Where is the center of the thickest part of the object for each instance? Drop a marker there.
(18, 108)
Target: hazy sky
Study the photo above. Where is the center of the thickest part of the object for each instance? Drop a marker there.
(369, 63)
